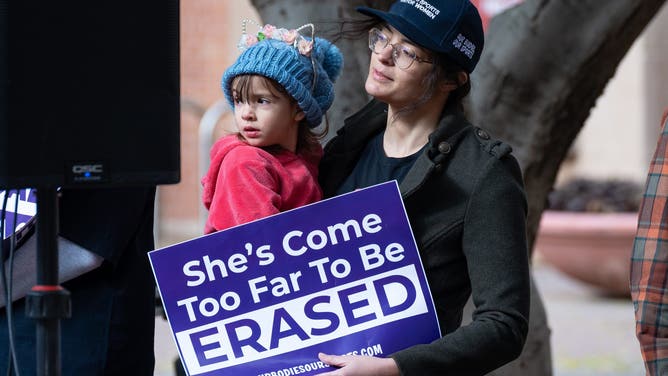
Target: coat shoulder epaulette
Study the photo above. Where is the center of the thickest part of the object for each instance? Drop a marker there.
(497, 148)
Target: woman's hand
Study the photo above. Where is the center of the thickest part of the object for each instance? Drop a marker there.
(358, 365)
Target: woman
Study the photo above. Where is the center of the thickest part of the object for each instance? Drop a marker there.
(462, 190)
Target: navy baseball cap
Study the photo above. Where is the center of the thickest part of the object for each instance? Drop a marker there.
(451, 27)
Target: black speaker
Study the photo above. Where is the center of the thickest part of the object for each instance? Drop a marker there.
(89, 93)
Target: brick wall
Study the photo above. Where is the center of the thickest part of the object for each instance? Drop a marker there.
(210, 30)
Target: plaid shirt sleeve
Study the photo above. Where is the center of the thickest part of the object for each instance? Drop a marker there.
(649, 263)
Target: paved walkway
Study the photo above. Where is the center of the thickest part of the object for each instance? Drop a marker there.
(592, 335)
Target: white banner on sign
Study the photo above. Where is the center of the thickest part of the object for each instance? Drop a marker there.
(374, 301)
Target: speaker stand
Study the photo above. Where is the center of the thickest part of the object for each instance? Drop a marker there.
(47, 302)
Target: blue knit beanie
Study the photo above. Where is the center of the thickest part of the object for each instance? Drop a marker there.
(283, 62)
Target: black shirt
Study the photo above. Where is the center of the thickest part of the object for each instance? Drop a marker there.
(375, 167)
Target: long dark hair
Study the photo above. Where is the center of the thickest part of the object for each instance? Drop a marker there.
(307, 138)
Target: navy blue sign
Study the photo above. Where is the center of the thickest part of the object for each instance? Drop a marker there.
(341, 276)
(21, 207)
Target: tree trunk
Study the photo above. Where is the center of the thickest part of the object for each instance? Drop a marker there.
(544, 64)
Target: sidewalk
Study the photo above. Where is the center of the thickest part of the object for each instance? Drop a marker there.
(592, 335)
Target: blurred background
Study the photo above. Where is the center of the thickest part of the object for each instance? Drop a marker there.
(616, 142)
(592, 326)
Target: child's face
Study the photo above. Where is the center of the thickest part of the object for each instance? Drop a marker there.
(264, 116)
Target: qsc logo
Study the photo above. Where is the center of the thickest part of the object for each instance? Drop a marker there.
(86, 172)
(88, 169)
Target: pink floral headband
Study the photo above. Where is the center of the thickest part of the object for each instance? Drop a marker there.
(272, 32)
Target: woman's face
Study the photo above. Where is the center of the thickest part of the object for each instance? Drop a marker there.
(391, 84)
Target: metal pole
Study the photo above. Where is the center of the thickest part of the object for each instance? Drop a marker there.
(48, 302)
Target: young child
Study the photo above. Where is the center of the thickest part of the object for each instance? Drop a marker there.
(279, 87)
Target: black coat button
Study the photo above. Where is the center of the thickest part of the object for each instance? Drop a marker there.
(444, 147)
(482, 134)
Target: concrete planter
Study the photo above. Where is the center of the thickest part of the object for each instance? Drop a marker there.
(592, 247)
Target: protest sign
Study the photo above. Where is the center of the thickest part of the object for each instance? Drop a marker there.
(19, 208)
(340, 276)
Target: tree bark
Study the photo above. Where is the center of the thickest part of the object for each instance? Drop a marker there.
(544, 64)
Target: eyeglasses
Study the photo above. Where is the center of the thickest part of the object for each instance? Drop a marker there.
(403, 56)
